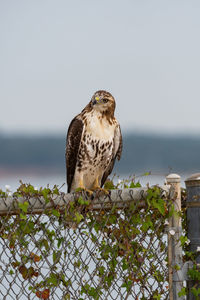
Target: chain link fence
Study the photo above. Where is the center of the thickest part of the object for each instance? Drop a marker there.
(59, 246)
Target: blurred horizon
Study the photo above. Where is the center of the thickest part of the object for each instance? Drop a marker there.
(145, 151)
(40, 159)
(126, 131)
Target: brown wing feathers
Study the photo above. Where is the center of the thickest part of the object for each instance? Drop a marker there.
(72, 147)
(119, 151)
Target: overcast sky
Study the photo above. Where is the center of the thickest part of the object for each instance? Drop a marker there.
(55, 54)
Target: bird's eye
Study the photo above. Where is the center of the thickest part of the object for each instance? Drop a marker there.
(105, 100)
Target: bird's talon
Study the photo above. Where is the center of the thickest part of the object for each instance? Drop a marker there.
(100, 191)
(84, 190)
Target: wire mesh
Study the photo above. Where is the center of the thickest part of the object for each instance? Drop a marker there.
(77, 251)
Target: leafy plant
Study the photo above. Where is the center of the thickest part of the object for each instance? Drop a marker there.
(128, 248)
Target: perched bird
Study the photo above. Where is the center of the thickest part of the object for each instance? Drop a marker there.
(93, 142)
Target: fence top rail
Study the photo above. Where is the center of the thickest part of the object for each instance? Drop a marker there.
(121, 198)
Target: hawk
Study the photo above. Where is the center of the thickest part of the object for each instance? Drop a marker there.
(94, 141)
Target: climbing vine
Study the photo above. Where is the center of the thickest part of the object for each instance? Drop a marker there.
(88, 253)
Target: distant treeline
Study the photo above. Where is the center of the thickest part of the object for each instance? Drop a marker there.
(140, 153)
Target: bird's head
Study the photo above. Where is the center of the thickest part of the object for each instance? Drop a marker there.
(103, 102)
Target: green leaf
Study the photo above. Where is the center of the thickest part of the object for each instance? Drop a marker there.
(79, 217)
(53, 279)
(134, 185)
(55, 190)
(127, 285)
(158, 297)
(196, 292)
(160, 205)
(56, 256)
(101, 270)
(23, 217)
(182, 292)
(46, 192)
(60, 240)
(80, 200)
(23, 206)
(109, 185)
(147, 174)
(77, 263)
(56, 213)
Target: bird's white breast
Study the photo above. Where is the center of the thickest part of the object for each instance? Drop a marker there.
(99, 128)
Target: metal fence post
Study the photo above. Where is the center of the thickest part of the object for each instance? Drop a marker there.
(193, 221)
(174, 245)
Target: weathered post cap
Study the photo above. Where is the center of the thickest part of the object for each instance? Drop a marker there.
(172, 178)
(193, 180)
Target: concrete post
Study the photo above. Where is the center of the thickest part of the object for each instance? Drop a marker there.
(174, 245)
(193, 220)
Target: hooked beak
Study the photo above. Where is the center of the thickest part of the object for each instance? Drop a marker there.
(96, 100)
